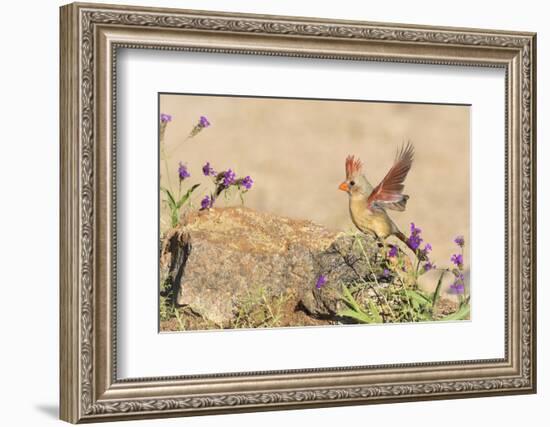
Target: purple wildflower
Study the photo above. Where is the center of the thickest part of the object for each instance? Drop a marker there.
(228, 178)
(457, 287)
(415, 230)
(247, 182)
(429, 266)
(207, 202)
(203, 123)
(423, 253)
(183, 172)
(393, 251)
(321, 281)
(415, 240)
(208, 170)
(459, 240)
(457, 260)
(165, 118)
(386, 273)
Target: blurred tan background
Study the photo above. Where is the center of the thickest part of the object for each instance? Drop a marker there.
(295, 150)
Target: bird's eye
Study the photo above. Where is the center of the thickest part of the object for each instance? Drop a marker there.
(352, 183)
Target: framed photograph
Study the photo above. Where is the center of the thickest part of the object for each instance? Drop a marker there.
(265, 212)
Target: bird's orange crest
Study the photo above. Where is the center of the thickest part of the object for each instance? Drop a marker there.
(353, 167)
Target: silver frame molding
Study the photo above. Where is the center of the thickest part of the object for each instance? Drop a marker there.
(90, 37)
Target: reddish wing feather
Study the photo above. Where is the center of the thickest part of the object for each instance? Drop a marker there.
(389, 190)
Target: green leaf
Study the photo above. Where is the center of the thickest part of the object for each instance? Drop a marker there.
(170, 200)
(417, 297)
(375, 312)
(175, 217)
(350, 300)
(424, 316)
(462, 313)
(360, 316)
(357, 312)
(186, 196)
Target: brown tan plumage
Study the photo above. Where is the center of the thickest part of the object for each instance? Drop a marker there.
(367, 204)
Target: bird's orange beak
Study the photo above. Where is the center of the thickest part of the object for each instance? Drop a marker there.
(343, 186)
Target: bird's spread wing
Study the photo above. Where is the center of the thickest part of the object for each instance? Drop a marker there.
(389, 192)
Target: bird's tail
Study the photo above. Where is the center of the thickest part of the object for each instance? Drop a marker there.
(398, 206)
(403, 238)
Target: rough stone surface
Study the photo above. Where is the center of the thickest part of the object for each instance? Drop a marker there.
(343, 262)
(217, 256)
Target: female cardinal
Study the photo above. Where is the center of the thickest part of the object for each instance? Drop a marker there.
(367, 205)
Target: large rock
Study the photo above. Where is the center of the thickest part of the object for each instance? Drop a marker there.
(217, 256)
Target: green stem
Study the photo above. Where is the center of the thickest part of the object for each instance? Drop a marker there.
(169, 153)
(437, 290)
(416, 272)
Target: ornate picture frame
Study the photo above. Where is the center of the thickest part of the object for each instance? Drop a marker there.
(90, 37)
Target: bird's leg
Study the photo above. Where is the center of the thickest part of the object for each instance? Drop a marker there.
(382, 246)
(376, 237)
(385, 250)
(380, 243)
